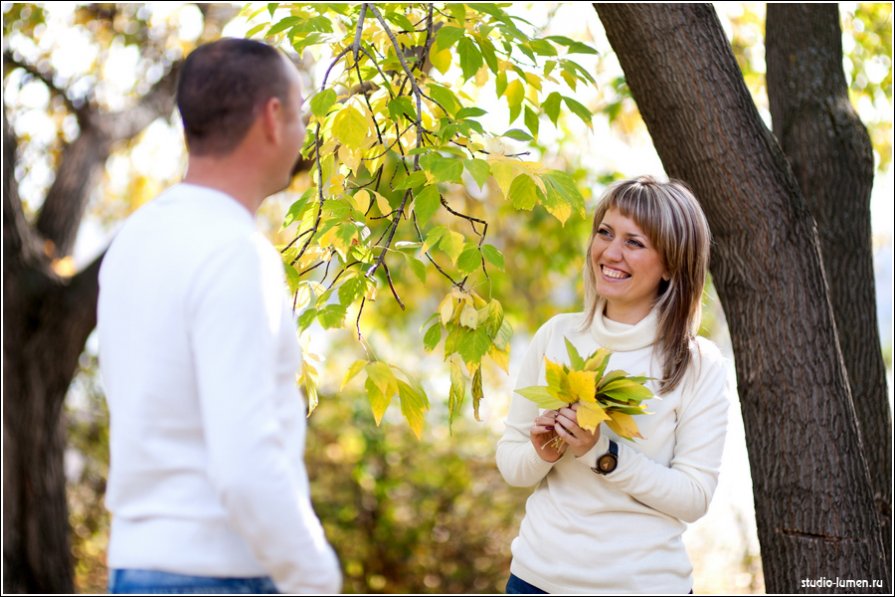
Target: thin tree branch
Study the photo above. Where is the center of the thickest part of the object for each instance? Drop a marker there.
(391, 285)
(46, 78)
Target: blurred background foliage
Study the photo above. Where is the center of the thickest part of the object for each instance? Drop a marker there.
(405, 515)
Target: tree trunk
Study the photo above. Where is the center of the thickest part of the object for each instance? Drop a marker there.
(813, 495)
(831, 155)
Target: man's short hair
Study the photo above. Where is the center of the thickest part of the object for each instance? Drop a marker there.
(221, 86)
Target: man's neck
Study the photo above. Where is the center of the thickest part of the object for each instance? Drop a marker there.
(227, 176)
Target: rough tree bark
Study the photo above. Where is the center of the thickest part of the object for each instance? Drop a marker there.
(813, 494)
(46, 321)
(831, 156)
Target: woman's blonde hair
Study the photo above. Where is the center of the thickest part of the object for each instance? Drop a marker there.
(672, 219)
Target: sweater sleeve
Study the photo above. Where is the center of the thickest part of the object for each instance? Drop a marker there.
(517, 459)
(684, 489)
(236, 311)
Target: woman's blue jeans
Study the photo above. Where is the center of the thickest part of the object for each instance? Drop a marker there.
(129, 580)
(517, 586)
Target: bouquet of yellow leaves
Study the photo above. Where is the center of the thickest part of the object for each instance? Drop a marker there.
(614, 397)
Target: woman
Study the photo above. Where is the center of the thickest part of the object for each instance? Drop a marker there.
(608, 514)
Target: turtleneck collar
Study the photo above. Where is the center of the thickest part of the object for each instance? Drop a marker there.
(620, 337)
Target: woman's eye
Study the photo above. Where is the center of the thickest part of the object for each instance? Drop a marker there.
(603, 232)
(635, 243)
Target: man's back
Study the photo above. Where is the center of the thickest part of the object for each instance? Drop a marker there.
(199, 356)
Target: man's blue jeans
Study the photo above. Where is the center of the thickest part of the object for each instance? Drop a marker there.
(155, 581)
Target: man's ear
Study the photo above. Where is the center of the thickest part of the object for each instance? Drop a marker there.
(271, 118)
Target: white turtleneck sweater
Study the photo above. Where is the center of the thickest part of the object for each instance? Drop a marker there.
(621, 532)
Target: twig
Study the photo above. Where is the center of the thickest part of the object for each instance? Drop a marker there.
(341, 271)
(388, 276)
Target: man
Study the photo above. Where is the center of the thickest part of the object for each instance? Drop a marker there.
(198, 352)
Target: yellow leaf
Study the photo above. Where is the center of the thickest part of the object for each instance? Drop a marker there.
(590, 415)
(501, 357)
(352, 371)
(557, 378)
(515, 92)
(446, 309)
(360, 201)
(623, 425)
(382, 203)
(350, 127)
(350, 157)
(560, 211)
(482, 76)
(583, 385)
(504, 171)
(441, 60)
(533, 80)
(469, 317)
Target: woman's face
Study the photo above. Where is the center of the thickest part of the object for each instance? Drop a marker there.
(628, 269)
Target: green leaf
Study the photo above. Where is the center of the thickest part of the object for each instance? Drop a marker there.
(500, 83)
(418, 267)
(491, 316)
(479, 170)
(504, 335)
(350, 127)
(352, 372)
(322, 102)
(561, 187)
(524, 193)
(475, 346)
(541, 396)
(452, 243)
(411, 181)
(401, 106)
(414, 405)
(443, 169)
(283, 25)
(471, 112)
(445, 97)
(517, 134)
(425, 204)
(306, 319)
(458, 388)
(432, 337)
(552, 106)
(574, 358)
(577, 47)
(531, 121)
(542, 47)
(448, 36)
(493, 256)
(624, 389)
(332, 316)
(470, 57)
(469, 259)
(488, 53)
(477, 393)
(515, 93)
(352, 290)
(298, 209)
(579, 110)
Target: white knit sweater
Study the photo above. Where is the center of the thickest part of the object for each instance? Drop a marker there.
(618, 533)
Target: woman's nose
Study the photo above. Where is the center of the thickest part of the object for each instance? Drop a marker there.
(613, 250)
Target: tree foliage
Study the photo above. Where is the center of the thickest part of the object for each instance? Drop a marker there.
(399, 147)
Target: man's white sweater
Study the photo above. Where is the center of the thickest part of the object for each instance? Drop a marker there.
(617, 533)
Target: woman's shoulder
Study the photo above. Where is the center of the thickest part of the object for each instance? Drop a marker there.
(707, 360)
(562, 323)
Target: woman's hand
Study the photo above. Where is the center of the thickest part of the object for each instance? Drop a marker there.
(545, 439)
(579, 440)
